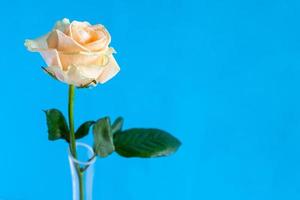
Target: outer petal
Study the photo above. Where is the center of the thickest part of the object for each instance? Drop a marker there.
(91, 71)
(37, 44)
(57, 72)
(84, 58)
(41, 42)
(111, 69)
(76, 75)
(83, 75)
(51, 57)
(62, 25)
(72, 76)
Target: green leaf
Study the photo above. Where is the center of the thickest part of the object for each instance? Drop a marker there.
(145, 143)
(103, 142)
(84, 129)
(117, 125)
(57, 125)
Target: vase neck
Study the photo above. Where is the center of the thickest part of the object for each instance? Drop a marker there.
(82, 171)
(86, 155)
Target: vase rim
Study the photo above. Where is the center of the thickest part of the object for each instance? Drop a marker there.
(89, 148)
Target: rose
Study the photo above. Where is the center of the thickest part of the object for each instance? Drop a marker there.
(77, 53)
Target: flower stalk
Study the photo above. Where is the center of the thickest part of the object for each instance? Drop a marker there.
(73, 139)
(71, 120)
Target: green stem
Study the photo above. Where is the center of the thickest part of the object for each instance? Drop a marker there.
(71, 120)
(73, 140)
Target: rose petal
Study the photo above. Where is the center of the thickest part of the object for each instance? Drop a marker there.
(62, 42)
(111, 69)
(101, 41)
(102, 32)
(76, 75)
(41, 42)
(97, 45)
(57, 72)
(51, 57)
(91, 71)
(37, 44)
(72, 76)
(81, 32)
(62, 24)
(83, 59)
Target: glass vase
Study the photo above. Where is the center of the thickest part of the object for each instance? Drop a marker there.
(82, 171)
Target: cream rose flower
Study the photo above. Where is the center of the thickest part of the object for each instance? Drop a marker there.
(77, 53)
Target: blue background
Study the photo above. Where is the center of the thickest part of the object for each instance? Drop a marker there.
(223, 76)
